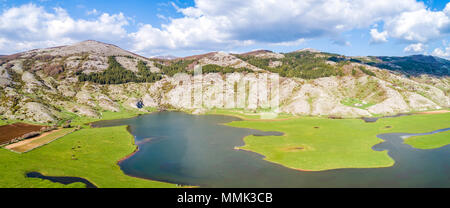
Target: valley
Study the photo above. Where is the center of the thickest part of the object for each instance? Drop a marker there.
(101, 101)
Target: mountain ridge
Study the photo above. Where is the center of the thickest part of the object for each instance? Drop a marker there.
(44, 85)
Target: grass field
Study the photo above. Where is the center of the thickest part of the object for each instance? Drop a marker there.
(321, 144)
(30, 144)
(240, 113)
(89, 153)
(106, 115)
(429, 141)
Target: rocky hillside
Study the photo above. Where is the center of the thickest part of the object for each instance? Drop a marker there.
(49, 85)
(415, 65)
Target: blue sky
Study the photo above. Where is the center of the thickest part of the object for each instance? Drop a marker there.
(182, 28)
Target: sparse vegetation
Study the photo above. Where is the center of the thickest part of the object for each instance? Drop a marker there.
(117, 74)
(366, 71)
(145, 75)
(354, 102)
(174, 67)
(212, 68)
(304, 65)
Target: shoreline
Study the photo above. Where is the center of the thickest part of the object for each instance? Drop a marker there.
(135, 151)
(128, 156)
(264, 157)
(236, 148)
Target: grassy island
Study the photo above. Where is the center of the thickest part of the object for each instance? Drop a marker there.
(317, 144)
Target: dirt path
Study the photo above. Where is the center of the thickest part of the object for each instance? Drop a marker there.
(27, 141)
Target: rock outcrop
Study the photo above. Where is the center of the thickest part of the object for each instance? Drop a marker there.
(40, 85)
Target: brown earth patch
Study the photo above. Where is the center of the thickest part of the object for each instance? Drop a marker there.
(293, 149)
(12, 131)
(435, 112)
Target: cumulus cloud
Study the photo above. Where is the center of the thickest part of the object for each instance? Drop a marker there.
(442, 52)
(92, 12)
(414, 48)
(421, 25)
(30, 26)
(378, 37)
(216, 24)
(224, 25)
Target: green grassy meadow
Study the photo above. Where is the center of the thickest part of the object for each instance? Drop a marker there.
(318, 144)
(89, 153)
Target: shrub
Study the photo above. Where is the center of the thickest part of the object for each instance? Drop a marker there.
(366, 71)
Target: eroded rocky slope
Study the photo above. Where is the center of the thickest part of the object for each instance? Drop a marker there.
(42, 85)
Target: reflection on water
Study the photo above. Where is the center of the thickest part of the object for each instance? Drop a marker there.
(61, 179)
(198, 150)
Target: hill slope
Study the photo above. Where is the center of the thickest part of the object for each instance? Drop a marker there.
(54, 84)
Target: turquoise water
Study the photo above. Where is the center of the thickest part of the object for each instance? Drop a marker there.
(198, 150)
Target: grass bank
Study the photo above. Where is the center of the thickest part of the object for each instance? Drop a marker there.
(90, 153)
(429, 141)
(318, 144)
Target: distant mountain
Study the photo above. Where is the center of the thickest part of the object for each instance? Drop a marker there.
(83, 57)
(414, 65)
(166, 57)
(312, 50)
(90, 77)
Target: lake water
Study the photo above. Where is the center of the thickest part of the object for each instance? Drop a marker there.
(198, 150)
(62, 180)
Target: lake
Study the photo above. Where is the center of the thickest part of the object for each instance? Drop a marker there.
(199, 150)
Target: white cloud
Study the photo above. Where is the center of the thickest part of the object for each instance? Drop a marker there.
(419, 26)
(378, 37)
(215, 24)
(447, 9)
(92, 12)
(414, 48)
(223, 25)
(30, 26)
(443, 53)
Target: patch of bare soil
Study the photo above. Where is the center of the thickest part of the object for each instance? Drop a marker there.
(12, 131)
